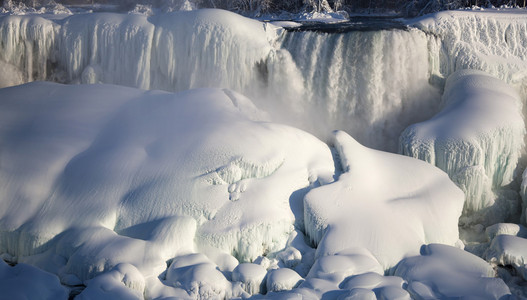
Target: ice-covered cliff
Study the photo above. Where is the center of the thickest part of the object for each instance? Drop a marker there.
(477, 139)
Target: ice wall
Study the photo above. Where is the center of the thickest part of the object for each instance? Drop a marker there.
(477, 139)
(490, 41)
(372, 84)
(172, 52)
(27, 47)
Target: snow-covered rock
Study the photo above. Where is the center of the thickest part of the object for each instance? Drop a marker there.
(509, 250)
(335, 268)
(251, 277)
(386, 203)
(477, 139)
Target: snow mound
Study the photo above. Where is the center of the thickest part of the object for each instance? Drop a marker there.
(476, 139)
(443, 272)
(251, 276)
(282, 280)
(27, 282)
(95, 176)
(335, 268)
(402, 202)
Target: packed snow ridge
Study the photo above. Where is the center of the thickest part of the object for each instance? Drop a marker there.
(477, 139)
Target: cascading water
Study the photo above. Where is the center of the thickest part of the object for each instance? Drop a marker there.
(370, 83)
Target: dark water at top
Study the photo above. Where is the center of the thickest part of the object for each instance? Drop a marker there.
(354, 24)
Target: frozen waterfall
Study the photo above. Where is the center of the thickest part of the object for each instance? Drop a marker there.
(372, 84)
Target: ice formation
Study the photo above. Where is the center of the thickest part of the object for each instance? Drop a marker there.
(477, 139)
(382, 201)
(123, 194)
(491, 41)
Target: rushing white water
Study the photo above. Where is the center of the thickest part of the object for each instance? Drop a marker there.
(370, 83)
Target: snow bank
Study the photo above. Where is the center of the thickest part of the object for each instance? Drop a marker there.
(92, 177)
(443, 272)
(476, 139)
(383, 202)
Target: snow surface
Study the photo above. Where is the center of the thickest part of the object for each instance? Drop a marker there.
(23, 281)
(477, 139)
(386, 203)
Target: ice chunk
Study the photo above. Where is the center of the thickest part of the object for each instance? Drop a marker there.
(443, 272)
(387, 203)
(505, 228)
(523, 194)
(476, 139)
